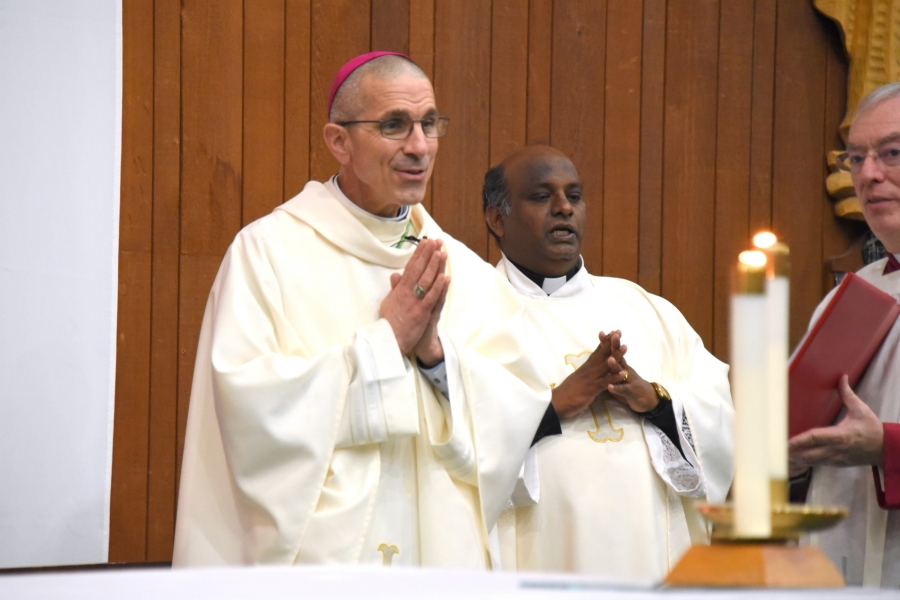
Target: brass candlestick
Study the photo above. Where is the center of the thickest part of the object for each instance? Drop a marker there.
(789, 521)
(758, 549)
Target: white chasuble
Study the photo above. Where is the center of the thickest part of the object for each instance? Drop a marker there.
(310, 438)
(865, 546)
(611, 502)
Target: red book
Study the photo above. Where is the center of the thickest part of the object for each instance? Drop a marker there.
(842, 341)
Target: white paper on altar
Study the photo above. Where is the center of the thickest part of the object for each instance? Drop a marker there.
(60, 132)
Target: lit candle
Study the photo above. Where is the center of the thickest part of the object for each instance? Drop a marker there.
(752, 498)
(777, 327)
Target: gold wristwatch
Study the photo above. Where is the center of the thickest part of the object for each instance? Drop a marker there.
(661, 392)
(663, 395)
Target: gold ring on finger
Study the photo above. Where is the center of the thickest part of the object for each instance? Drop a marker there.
(625, 379)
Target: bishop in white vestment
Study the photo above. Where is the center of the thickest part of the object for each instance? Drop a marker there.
(360, 393)
(615, 488)
(856, 463)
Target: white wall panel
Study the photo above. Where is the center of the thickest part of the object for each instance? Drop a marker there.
(60, 131)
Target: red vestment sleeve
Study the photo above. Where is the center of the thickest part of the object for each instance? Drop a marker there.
(889, 497)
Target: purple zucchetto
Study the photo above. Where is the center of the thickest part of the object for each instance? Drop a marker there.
(353, 64)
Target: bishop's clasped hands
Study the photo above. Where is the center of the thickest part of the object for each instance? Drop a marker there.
(413, 306)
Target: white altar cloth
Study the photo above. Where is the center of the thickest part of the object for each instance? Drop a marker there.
(366, 583)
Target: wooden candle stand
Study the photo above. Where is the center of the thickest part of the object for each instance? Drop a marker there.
(772, 562)
(754, 564)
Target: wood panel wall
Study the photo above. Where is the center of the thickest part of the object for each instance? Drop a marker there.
(693, 123)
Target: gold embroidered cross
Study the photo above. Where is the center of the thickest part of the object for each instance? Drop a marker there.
(387, 553)
(604, 430)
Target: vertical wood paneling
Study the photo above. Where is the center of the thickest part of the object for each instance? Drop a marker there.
(653, 75)
(837, 234)
(421, 50)
(763, 106)
(263, 108)
(622, 140)
(212, 100)
(137, 123)
(164, 326)
(128, 496)
(798, 166)
(296, 96)
(540, 53)
(732, 157)
(693, 123)
(509, 82)
(578, 101)
(390, 25)
(212, 76)
(688, 159)
(421, 34)
(345, 25)
(509, 77)
(462, 80)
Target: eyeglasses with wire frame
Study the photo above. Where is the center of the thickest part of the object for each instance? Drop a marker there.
(853, 160)
(400, 127)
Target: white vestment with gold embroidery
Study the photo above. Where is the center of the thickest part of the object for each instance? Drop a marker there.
(613, 500)
(310, 438)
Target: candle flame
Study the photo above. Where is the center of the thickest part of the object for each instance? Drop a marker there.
(764, 239)
(752, 258)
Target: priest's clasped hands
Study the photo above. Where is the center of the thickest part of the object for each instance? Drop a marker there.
(414, 317)
(605, 370)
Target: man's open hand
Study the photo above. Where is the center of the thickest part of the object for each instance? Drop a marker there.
(591, 379)
(409, 314)
(858, 439)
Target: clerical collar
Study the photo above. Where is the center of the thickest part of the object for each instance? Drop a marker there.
(388, 230)
(548, 284)
(893, 264)
(401, 216)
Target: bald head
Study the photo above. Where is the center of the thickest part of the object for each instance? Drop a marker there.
(533, 208)
(350, 99)
(495, 191)
(531, 154)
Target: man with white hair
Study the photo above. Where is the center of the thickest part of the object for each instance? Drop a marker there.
(349, 403)
(856, 463)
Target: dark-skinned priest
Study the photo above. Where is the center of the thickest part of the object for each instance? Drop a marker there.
(348, 404)
(644, 410)
(856, 463)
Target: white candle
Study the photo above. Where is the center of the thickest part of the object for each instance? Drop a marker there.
(777, 344)
(752, 498)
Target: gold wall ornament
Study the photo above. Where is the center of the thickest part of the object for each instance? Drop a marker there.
(840, 188)
(387, 553)
(871, 33)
